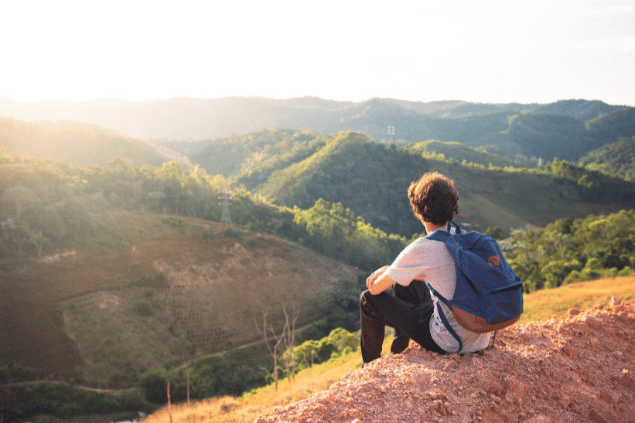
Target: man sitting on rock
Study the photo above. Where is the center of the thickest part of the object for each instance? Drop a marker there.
(411, 310)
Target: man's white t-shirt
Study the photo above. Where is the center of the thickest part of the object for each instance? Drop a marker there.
(430, 260)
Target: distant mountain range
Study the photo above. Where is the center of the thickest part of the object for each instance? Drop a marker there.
(566, 129)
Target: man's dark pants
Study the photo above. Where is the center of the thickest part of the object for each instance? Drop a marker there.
(408, 312)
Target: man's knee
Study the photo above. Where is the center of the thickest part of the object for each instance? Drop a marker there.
(363, 298)
(366, 302)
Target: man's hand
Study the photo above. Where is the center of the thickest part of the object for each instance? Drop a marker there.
(373, 277)
(378, 281)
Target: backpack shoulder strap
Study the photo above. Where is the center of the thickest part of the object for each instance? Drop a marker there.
(449, 328)
(444, 319)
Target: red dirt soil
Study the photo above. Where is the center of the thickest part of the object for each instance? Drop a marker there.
(575, 369)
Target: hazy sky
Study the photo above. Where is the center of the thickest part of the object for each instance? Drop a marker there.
(483, 51)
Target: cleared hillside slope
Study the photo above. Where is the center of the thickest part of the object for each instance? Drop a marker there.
(167, 295)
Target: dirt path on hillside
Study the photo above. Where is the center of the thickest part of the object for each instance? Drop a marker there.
(240, 347)
(34, 383)
(575, 369)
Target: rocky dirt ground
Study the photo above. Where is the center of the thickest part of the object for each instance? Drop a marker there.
(574, 369)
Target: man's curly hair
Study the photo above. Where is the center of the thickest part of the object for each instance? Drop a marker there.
(434, 198)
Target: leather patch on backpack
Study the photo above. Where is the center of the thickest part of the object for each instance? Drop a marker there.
(494, 260)
(477, 324)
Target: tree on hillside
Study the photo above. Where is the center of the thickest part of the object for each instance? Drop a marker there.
(575, 250)
(20, 197)
(495, 232)
(278, 341)
(291, 319)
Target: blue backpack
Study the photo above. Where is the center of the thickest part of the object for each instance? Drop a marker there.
(488, 294)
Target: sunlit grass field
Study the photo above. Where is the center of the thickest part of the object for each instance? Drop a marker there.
(543, 304)
(539, 306)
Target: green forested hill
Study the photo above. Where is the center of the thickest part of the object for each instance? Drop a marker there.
(74, 142)
(531, 135)
(372, 180)
(460, 152)
(580, 109)
(605, 129)
(367, 177)
(616, 158)
(254, 156)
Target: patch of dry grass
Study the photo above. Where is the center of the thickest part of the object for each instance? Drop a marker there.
(543, 304)
(263, 400)
(121, 332)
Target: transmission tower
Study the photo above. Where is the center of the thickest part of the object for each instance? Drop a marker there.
(391, 131)
(226, 218)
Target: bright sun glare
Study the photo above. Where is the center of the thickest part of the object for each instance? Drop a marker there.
(500, 51)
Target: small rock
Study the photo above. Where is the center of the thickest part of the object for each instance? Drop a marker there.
(573, 312)
(592, 322)
(539, 419)
(514, 390)
(439, 408)
(609, 397)
(564, 401)
(452, 364)
(492, 386)
(602, 416)
(570, 351)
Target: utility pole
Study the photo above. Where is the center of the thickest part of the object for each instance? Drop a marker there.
(226, 218)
